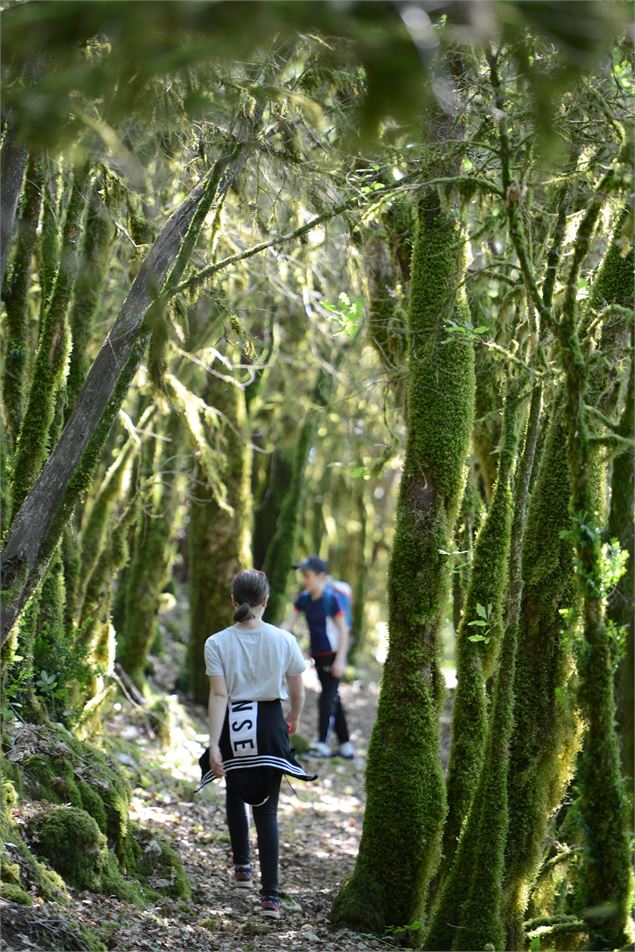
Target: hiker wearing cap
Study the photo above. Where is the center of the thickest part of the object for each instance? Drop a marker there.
(253, 667)
(325, 614)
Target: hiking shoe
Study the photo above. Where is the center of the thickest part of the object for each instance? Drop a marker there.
(242, 877)
(270, 907)
(345, 750)
(319, 749)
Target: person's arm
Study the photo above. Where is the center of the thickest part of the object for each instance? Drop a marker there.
(295, 684)
(216, 711)
(289, 623)
(337, 668)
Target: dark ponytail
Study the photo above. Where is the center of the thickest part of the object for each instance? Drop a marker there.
(249, 588)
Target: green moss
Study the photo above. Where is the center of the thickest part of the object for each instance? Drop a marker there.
(51, 778)
(545, 738)
(406, 806)
(282, 548)
(151, 558)
(95, 253)
(16, 299)
(70, 840)
(475, 659)
(93, 804)
(51, 356)
(15, 894)
(9, 793)
(158, 863)
(46, 882)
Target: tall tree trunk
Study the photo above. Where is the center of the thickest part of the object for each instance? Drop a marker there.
(282, 549)
(479, 637)
(219, 536)
(544, 742)
(406, 806)
(267, 511)
(469, 913)
(17, 298)
(621, 607)
(150, 563)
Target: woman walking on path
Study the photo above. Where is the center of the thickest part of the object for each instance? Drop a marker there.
(248, 664)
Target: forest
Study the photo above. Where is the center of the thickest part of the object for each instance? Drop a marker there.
(292, 278)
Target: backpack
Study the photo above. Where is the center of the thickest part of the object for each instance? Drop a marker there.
(345, 593)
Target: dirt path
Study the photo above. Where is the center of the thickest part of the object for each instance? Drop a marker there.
(320, 829)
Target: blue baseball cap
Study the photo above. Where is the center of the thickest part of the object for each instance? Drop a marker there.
(313, 562)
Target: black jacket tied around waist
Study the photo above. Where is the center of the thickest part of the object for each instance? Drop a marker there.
(254, 744)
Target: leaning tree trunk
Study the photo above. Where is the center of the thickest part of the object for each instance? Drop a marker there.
(68, 470)
(406, 806)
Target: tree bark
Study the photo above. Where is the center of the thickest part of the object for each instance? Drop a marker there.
(13, 162)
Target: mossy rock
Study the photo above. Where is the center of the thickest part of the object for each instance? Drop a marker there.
(70, 840)
(31, 871)
(12, 893)
(160, 866)
(64, 770)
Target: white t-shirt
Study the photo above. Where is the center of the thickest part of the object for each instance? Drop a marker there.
(254, 661)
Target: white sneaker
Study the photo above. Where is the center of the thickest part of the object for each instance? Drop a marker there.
(319, 749)
(345, 750)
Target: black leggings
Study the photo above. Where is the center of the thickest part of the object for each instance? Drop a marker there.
(266, 820)
(329, 703)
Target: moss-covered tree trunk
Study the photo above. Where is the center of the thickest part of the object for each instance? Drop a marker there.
(282, 548)
(358, 625)
(267, 510)
(16, 301)
(406, 805)
(605, 869)
(621, 606)
(281, 551)
(544, 741)
(219, 535)
(479, 637)
(469, 911)
(151, 557)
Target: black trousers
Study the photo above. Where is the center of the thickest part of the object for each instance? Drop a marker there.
(330, 708)
(266, 820)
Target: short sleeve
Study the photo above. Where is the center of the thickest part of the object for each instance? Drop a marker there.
(300, 602)
(213, 663)
(336, 606)
(296, 663)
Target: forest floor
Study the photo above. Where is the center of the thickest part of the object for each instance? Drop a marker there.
(320, 829)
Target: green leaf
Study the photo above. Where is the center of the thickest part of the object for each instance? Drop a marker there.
(477, 638)
(479, 623)
(481, 610)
